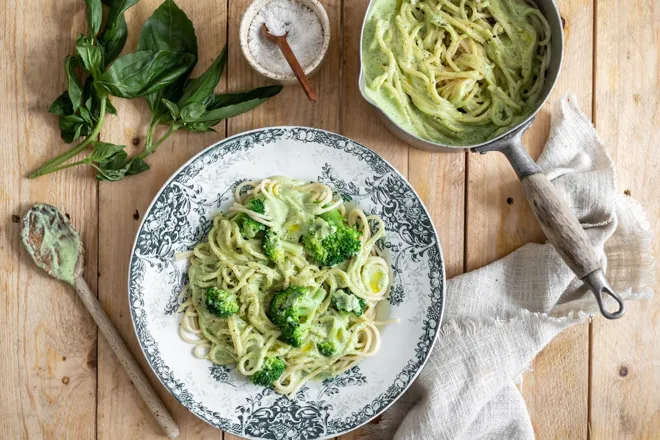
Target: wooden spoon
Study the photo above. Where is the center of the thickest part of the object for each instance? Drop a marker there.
(55, 246)
(281, 42)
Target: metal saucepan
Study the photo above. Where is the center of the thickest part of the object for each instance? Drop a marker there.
(558, 222)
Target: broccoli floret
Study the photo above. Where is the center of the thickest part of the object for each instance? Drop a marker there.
(257, 205)
(327, 348)
(348, 302)
(290, 310)
(250, 227)
(272, 245)
(334, 217)
(330, 241)
(270, 371)
(220, 302)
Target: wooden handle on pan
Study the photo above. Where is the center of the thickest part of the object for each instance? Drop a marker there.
(126, 360)
(560, 225)
(564, 231)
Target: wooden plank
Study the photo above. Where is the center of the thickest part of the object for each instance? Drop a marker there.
(438, 178)
(291, 106)
(48, 341)
(625, 376)
(121, 412)
(499, 221)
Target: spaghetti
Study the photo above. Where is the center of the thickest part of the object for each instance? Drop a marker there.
(242, 267)
(456, 71)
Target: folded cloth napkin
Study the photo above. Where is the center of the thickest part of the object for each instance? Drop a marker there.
(499, 317)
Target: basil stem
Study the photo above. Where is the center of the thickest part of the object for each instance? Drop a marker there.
(149, 147)
(53, 165)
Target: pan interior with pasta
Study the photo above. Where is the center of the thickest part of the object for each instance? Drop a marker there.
(457, 72)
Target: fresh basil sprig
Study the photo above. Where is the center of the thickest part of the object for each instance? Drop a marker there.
(158, 70)
(189, 103)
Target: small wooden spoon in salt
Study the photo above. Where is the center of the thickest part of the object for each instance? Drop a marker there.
(55, 246)
(281, 42)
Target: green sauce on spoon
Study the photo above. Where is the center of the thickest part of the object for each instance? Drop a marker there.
(52, 242)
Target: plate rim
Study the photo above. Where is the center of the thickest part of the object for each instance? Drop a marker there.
(287, 127)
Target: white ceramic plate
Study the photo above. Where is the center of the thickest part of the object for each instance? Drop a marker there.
(180, 216)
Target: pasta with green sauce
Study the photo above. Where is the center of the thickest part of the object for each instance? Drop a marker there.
(458, 72)
(286, 285)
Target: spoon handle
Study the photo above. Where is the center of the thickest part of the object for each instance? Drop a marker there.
(126, 359)
(297, 68)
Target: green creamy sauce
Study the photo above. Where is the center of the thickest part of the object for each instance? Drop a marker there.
(290, 212)
(60, 244)
(347, 302)
(374, 62)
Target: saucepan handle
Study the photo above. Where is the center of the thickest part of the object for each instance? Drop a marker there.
(560, 225)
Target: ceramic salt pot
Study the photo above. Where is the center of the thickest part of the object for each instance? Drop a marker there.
(308, 28)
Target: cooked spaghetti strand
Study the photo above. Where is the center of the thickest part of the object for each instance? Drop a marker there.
(238, 265)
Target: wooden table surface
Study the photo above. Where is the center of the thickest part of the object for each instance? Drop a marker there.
(59, 379)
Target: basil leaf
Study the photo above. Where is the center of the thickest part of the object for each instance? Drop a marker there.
(93, 93)
(200, 127)
(192, 112)
(112, 168)
(86, 115)
(199, 89)
(91, 56)
(62, 105)
(114, 38)
(137, 166)
(169, 28)
(73, 84)
(144, 72)
(104, 151)
(116, 167)
(171, 93)
(109, 108)
(94, 14)
(77, 133)
(117, 8)
(173, 108)
(228, 105)
(227, 99)
(72, 127)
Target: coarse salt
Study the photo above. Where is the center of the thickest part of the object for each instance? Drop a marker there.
(305, 35)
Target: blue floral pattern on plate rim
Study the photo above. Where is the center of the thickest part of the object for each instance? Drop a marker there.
(175, 221)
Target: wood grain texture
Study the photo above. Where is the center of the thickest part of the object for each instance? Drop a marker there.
(126, 360)
(499, 220)
(49, 378)
(560, 225)
(48, 368)
(625, 376)
(121, 412)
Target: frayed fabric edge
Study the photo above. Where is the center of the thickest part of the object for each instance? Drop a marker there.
(645, 234)
(471, 326)
(390, 421)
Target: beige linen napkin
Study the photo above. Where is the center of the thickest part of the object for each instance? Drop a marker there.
(499, 317)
